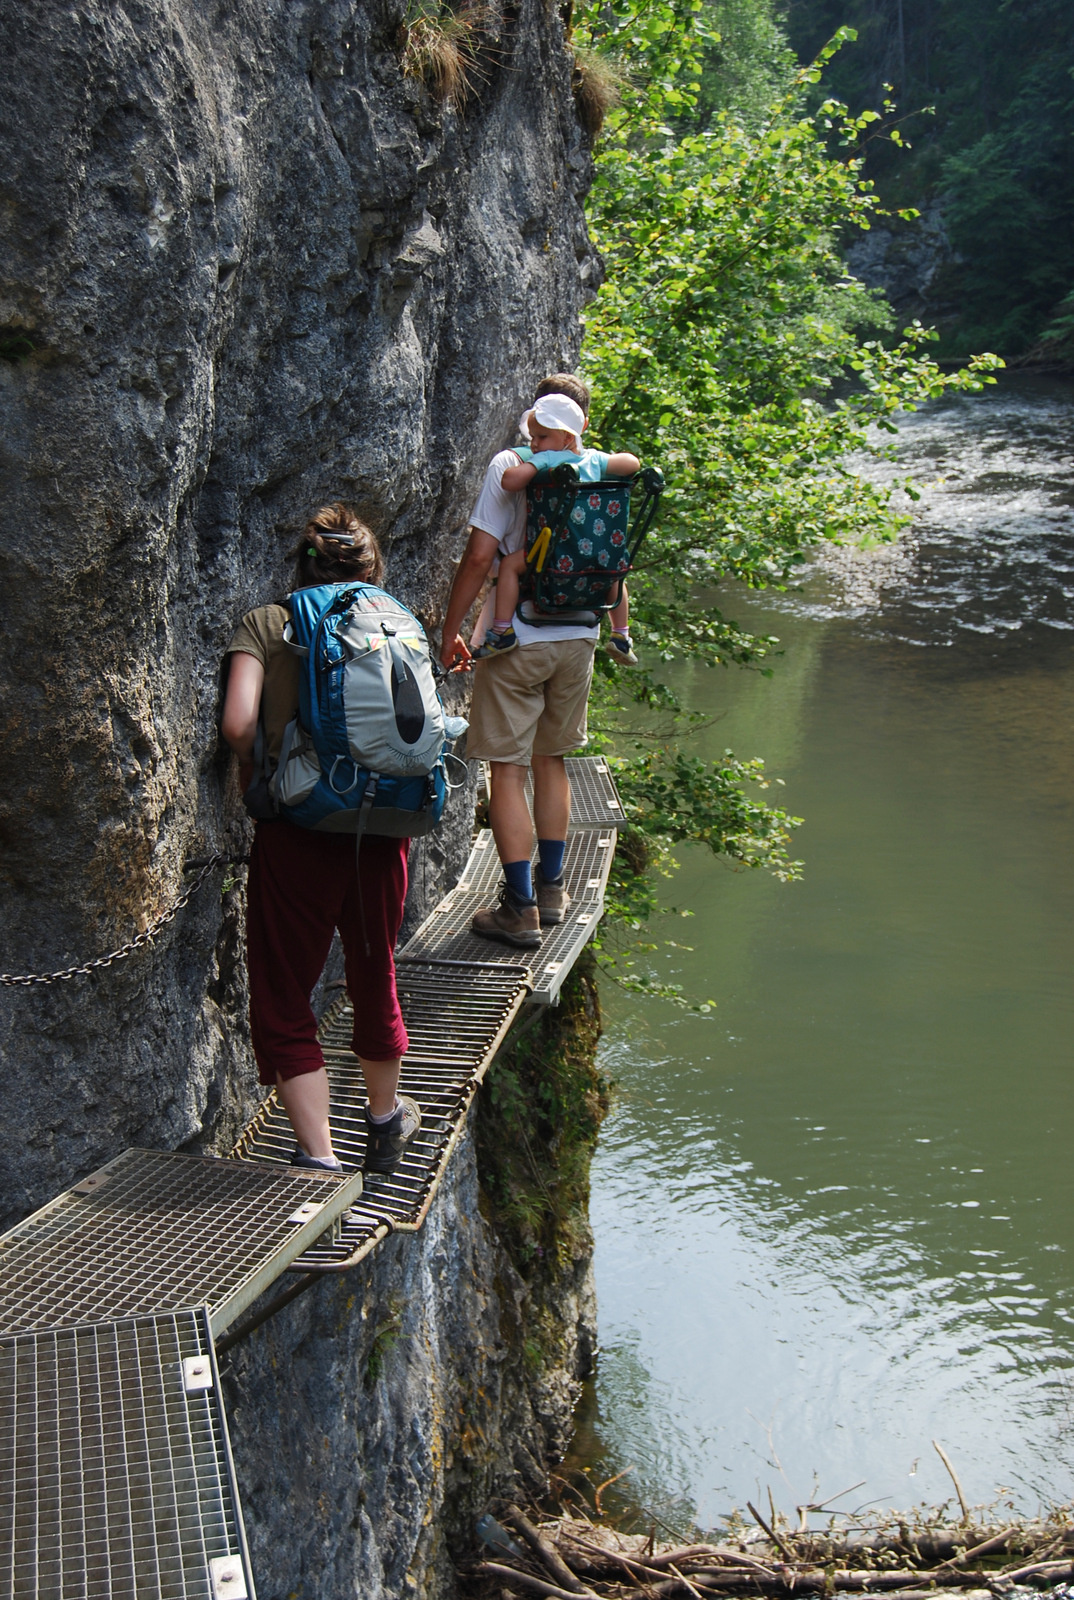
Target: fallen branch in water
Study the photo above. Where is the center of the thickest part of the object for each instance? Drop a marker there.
(942, 1453)
(527, 1581)
(583, 1560)
(771, 1532)
(549, 1556)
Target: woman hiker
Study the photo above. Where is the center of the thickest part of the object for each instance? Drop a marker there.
(304, 884)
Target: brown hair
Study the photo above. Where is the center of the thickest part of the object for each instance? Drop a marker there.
(565, 383)
(337, 547)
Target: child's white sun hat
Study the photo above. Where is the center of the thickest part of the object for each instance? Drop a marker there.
(560, 412)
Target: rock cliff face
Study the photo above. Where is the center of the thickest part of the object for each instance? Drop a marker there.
(372, 1420)
(911, 262)
(374, 1417)
(247, 265)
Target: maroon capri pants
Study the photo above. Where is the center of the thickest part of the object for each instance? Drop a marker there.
(302, 886)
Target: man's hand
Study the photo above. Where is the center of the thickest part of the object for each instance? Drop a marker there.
(472, 571)
(455, 654)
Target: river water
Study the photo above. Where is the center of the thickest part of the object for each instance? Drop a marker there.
(834, 1220)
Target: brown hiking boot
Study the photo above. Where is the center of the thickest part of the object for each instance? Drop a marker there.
(509, 921)
(552, 901)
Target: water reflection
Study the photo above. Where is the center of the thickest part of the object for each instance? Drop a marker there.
(834, 1221)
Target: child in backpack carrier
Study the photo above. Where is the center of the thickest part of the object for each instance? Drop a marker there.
(555, 427)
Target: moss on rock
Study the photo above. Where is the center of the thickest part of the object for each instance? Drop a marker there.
(537, 1126)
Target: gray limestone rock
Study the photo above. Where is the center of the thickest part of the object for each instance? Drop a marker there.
(259, 268)
(374, 1418)
(910, 261)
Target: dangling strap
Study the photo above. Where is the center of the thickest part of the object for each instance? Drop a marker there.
(363, 817)
(259, 798)
(289, 735)
(539, 553)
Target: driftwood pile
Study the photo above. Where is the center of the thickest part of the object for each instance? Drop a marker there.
(567, 1558)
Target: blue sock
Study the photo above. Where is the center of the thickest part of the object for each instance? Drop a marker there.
(519, 879)
(551, 852)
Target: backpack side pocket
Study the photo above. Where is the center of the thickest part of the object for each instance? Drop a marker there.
(299, 769)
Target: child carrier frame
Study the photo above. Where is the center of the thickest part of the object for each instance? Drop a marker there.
(581, 543)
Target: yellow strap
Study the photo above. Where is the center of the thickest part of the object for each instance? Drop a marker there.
(541, 546)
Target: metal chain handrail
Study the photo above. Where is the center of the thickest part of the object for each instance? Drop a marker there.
(24, 980)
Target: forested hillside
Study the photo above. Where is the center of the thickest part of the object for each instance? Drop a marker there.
(998, 150)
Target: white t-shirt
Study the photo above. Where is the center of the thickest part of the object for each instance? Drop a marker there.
(503, 515)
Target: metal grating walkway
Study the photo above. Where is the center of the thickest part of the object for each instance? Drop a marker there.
(116, 1478)
(115, 1470)
(457, 1016)
(459, 995)
(159, 1232)
(445, 934)
(595, 801)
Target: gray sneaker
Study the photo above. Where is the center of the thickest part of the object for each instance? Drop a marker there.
(386, 1141)
(299, 1158)
(552, 901)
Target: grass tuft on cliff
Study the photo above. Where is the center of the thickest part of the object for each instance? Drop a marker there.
(598, 83)
(441, 50)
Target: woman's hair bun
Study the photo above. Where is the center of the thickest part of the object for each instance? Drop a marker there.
(336, 546)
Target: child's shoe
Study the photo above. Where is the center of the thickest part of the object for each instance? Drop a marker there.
(496, 644)
(619, 648)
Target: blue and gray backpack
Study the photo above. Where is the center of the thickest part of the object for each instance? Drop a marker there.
(367, 751)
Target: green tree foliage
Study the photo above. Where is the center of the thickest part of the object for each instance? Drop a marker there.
(745, 63)
(998, 149)
(720, 346)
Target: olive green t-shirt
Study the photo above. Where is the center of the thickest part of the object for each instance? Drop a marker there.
(260, 634)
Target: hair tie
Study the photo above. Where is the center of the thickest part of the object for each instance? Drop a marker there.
(311, 551)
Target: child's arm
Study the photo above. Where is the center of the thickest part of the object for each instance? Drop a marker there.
(521, 476)
(622, 465)
(516, 478)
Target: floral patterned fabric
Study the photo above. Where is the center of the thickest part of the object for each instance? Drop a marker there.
(576, 541)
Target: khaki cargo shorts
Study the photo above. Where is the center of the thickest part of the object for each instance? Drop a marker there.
(531, 702)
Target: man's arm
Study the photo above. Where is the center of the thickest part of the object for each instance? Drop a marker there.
(470, 575)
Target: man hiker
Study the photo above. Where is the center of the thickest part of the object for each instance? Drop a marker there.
(528, 711)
